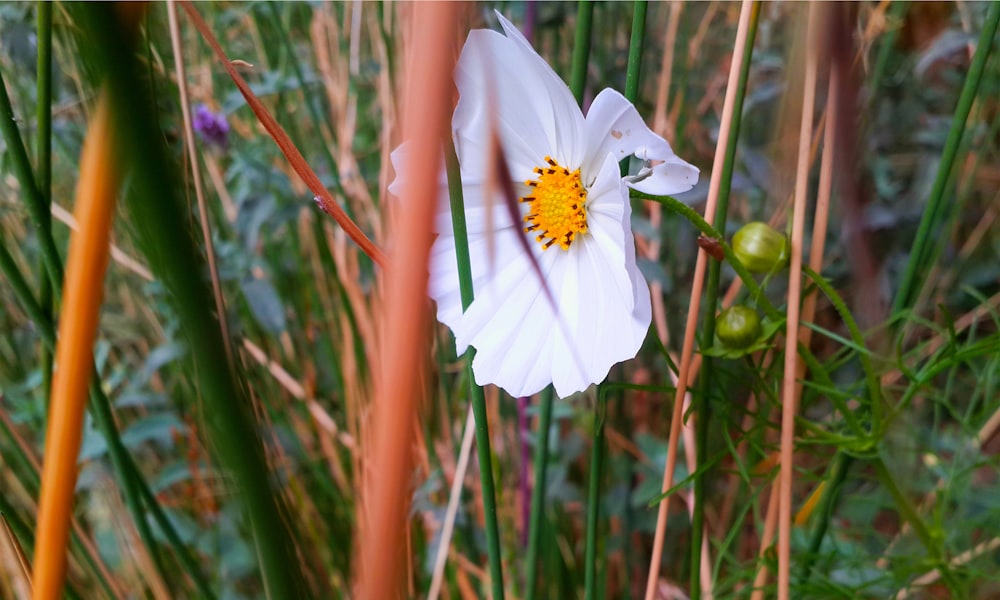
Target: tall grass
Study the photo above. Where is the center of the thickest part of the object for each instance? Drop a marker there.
(312, 448)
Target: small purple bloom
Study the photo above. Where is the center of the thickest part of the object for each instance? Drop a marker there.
(212, 127)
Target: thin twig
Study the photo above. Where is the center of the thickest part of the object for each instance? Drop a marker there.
(789, 405)
(453, 498)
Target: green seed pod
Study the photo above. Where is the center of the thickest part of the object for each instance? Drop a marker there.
(738, 327)
(760, 248)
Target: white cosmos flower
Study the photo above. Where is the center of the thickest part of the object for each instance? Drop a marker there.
(576, 206)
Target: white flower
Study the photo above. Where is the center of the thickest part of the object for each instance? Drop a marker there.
(576, 218)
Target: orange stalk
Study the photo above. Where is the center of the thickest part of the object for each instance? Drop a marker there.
(789, 404)
(687, 347)
(405, 319)
(83, 287)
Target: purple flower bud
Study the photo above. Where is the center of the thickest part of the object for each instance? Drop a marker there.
(212, 127)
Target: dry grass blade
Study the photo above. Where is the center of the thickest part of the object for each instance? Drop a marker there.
(88, 260)
(22, 574)
(789, 382)
(295, 158)
(695, 302)
(405, 317)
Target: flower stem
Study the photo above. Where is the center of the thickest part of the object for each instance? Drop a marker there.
(635, 50)
(581, 48)
(476, 392)
(594, 497)
(536, 518)
(702, 401)
(934, 214)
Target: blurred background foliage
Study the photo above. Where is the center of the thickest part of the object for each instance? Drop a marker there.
(302, 300)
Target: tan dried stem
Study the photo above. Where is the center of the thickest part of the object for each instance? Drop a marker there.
(399, 388)
(820, 221)
(448, 527)
(695, 302)
(789, 404)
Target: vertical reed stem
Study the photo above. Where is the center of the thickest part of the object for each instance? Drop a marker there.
(581, 48)
(540, 460)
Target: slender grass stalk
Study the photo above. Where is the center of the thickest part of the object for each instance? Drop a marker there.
(581, 48)
(540, 460)
(691, 322)
(703, 400)
(88, 259)
(928, 235)
(43, 171)
(206, 227)
(635, 49)
(594, 496)
(477, 397)
(789, 400)
(161, 222)
(38, 209)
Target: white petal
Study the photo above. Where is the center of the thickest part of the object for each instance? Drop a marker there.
(488, 252)
(613, 126)
(502, 82)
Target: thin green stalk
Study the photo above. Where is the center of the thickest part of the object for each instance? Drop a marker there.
(581, 48)
(934, 213)
(635, 49)
(43, 146)
(894, 18)
(33, 200)
(476, 392)
(906, 509)
(702, 401)
(594, 497)
(871, 377)
(540, 460)
(165, 234)
(834, 483)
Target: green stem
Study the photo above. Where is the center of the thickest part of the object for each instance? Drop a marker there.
(540, 461)
(476, 392)
(838, 473)
(33, 200)
(581, 48)
(43, 146)
(906, 509)
(927, 234)
(594, 497)
(702, 401)
(871, 377)
(635, 50)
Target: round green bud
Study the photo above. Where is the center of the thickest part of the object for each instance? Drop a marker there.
(738, 327)
(760, 248)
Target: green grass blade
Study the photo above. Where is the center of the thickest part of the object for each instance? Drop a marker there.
(476, 392)
(935, 213)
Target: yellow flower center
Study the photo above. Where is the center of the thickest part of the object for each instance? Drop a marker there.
(556, 205)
